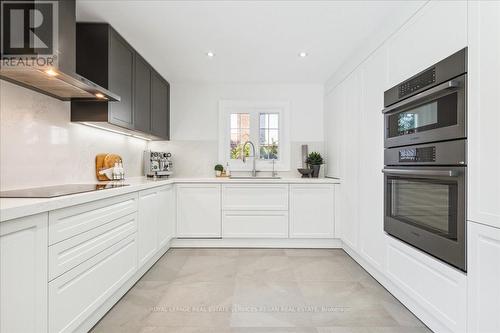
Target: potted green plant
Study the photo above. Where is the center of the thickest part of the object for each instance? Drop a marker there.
(218, 170)
(314, 160)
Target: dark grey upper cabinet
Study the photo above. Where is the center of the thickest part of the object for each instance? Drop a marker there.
(104, 57)
(160, 113)
(121, 80)
(142, 95)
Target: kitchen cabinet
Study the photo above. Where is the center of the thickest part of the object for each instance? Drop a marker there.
(23, 274)
(312, 211)
(371, 181)
(121, 78)
(106, 58)
(75, 295)
(483, 137)
(483, 257)
(160, 106)
(198, 210)
(255, 224)
(148, 216)
(166, 215)
(255, 197)
(255, 210)
(142, 95)
(425, 39)
(349, 161)
(434, 291)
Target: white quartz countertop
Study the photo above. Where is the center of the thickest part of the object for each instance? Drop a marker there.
(11, 208)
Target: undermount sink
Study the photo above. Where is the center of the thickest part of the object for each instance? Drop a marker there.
(256, 177)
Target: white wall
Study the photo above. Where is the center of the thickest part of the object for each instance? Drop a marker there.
(195, 116)
(40, 146)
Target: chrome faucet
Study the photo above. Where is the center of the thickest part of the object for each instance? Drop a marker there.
(244, 158)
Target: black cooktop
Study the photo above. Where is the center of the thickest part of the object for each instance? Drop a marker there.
(57, 191)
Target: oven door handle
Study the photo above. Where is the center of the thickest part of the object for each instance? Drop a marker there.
(443, 86)
(417, 172)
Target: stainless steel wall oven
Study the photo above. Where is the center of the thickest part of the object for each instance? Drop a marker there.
(425, 160)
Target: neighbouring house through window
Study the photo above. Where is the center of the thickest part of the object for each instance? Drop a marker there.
(262, 123)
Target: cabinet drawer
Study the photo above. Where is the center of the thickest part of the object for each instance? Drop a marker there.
(71, 252)
(255, 197)
(78, 293)
(254, 224)
(68, 222)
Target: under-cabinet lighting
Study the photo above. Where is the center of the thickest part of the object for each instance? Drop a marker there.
(303, 54)
(51, 72)
(101, 96)
(115, 131)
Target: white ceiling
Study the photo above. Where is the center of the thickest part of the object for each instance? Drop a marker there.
(253, 41)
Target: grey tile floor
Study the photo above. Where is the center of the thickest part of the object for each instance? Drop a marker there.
(257, 291)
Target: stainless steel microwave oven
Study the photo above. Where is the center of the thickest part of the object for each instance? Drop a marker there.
(430, 106)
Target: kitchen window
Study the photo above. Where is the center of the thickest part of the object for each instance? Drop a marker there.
(262, 123)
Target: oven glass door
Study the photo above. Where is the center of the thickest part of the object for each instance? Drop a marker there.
(425, 207)
(431, 205)
(437, 113)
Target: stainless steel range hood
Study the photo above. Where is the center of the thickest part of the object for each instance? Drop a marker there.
(59, 78)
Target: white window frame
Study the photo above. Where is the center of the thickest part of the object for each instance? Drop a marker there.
(227, 107)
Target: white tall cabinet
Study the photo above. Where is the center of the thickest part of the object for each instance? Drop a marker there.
(484, 113)
(23, 274)
(483, 167)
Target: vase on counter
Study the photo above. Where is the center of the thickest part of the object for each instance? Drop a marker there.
(315, 170)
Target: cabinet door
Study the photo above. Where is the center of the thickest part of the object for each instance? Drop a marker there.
(484, 113)
(147, 225)
(121, 69)
(312, 211)
(23, 274)
(77, 294)
(166, 215)
(483, 278)
(160, 106)
(349, 161)
(142, 95)
(255, 224)
(198, 211)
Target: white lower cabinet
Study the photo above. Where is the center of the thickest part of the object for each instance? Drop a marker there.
(198, 210)
(255, 224)
(147, 217)
(23, 274)
(312, 211)
(74, 296)
(255, 210)
(483, 278)
(166, 215)
(432, 290)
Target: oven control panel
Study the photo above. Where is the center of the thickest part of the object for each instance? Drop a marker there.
(437, 153)
(424, 154)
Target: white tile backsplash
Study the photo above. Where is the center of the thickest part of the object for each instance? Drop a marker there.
(198, 158)
(40, 146)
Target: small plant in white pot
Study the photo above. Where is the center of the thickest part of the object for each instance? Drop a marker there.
(218, 170)
(314, 160)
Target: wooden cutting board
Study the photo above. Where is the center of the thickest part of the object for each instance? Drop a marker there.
(105, 161)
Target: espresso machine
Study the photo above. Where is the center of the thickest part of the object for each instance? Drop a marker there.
(157, 164)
